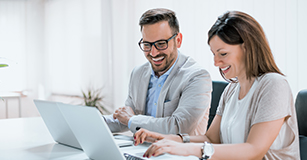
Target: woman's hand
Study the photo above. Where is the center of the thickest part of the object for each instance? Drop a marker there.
(143, 135)
(172, 147)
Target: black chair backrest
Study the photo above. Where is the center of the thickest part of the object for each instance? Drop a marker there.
(301, 111)
(217, 90)
(303, 147)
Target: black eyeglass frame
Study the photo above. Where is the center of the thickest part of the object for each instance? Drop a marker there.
(153, 43)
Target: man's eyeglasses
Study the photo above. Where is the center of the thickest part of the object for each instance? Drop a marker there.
(160, 44)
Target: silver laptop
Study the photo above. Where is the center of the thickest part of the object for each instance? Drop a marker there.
(96, 138)
(60, 129)
(56, 123)
(92, 132)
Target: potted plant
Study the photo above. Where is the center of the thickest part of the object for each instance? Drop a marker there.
(94, 98)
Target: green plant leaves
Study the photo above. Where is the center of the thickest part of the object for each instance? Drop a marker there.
(4, 65)
(94, 98)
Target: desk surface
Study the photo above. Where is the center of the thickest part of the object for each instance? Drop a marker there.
(29, 138)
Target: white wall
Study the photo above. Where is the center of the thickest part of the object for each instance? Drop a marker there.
(63, 46)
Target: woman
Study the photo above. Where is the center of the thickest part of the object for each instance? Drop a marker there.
(256, 117)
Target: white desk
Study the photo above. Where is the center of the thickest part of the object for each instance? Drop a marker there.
(29, 139)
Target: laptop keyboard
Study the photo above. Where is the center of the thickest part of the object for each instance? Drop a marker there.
(131, 157)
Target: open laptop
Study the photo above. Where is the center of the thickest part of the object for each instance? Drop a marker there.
(56, 123)
(96, 139)
(92, 132)
(60, 129)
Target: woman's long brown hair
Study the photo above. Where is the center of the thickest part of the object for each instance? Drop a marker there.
(236, 27)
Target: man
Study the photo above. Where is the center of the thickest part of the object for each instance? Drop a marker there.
(171, 94)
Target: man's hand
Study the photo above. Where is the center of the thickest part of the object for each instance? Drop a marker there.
(123, 114)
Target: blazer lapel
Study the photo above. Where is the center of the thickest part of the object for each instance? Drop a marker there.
(143, 87)
(181, 61)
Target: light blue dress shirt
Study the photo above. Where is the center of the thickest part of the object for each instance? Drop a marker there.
(154, 88)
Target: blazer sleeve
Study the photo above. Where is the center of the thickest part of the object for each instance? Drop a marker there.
(190, 107)
(114, 124)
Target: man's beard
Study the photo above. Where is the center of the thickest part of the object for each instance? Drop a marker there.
(167, 62)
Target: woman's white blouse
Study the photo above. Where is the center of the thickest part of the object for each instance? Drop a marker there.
(234, 116)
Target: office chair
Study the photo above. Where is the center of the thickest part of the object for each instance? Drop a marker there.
(217, 90)
(301, 111)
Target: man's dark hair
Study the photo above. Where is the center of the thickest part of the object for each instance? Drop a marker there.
(153, 16)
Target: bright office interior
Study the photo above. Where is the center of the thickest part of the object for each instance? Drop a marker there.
(56, 48)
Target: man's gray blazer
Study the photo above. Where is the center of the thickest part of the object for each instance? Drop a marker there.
(183, 104)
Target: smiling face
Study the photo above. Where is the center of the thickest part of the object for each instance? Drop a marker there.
(229, 58)
(161, 60)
